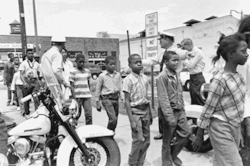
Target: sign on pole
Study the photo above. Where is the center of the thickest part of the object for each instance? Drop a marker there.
(151, 24)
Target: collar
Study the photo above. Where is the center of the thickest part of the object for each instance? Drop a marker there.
(55, 48)
(106, 72)
(171, 74)
(31, 61)
(136, 75)
(171, 47)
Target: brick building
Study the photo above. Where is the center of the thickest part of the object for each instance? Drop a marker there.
(94, 49)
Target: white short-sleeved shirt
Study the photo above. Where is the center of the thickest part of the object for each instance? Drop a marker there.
(30, 68)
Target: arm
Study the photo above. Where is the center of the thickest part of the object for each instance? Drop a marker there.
(5, 73)
(120, 87)
(153, 60)
(182, 53)
(193, 62)
(22, 74)
(164, 102)
(13, 83)
(72, 86)
(98, 92)
(57, 68)
(129, 112)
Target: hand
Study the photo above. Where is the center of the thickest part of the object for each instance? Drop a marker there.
(241, 141)
(13, 91)
(98, 106)
(171, 121)
(67, 85)
(197, 142)
(25, 85)
(3, 160)
(151, 120)
(134, 126)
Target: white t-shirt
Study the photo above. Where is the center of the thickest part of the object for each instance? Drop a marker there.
(30, 68)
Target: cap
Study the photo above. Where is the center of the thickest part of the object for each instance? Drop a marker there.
(165, 34)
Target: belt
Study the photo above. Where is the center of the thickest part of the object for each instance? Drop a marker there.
(141, 107)
(196, 74)
(111, 96)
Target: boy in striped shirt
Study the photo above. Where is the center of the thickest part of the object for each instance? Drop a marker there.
(79, 81)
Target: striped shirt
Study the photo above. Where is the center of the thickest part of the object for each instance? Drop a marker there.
(80, 80)
(108, 84)
(225, 100)
(137, 86)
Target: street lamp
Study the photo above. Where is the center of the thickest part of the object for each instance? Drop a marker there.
(241, 13)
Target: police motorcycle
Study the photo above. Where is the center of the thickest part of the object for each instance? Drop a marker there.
(193, 113)
(36, 142)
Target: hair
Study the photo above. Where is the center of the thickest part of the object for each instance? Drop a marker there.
(80, 55)
(227, 44)
(167, 55)
(170, 38)
(108, 59)
(187, 40)
(132, 56)
(16, 57)
(30, 50)
(244, 24)
(9, 54)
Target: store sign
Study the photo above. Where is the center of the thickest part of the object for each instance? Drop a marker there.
(151, 25)
(15, 29)
(14, 45)
(97, 54)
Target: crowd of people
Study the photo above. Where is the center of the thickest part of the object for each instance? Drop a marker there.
(225, 113)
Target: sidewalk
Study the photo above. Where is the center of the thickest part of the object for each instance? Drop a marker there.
(122, 137)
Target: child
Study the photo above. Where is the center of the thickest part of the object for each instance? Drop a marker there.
(135, 87)
(108, 90)
(79, 80)
(224, 107)
(169, 90)
(17, 86)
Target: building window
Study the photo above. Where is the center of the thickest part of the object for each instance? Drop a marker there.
(97, 54)
(113, 53)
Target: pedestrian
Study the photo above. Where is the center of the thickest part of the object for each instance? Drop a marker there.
(108, 91)
(224, 107)
(135, 87)
(3, 143)
(80, 87)
(8, 75)
(171, 103)
(195, 64)
(67, 67)
(167, 43)
(29, 70)
(17, 86)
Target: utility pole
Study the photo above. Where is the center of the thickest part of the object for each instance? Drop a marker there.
(23, 29)
(35, 25)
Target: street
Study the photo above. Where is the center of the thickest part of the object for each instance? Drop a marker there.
(122, 137)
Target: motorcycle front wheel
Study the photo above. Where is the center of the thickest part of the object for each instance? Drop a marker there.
(103, 151)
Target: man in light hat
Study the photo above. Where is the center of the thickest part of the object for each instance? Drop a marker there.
(167, 43)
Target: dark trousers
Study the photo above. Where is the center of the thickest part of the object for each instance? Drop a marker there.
(16, 97)
(112, 109)
(160, 120)
(9, 93)
(86, 104)
(141, 139)
(181, 131)
(196, 80)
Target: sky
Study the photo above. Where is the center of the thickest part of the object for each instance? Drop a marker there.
(84, 18)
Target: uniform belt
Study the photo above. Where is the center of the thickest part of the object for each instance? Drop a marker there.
(141, 107)
(111, 96)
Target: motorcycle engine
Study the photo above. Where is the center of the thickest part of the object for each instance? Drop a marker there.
(22, 146)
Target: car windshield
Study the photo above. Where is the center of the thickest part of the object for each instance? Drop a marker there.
(52, 82)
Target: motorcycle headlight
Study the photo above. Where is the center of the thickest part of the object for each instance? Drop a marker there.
(70, 108)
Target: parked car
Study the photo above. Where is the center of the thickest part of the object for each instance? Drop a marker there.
(94, 69)
(185, 78)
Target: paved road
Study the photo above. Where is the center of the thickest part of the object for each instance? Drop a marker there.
(123, 136)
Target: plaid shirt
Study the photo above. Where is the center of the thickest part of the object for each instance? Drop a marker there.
(137, 86)
(225, 100)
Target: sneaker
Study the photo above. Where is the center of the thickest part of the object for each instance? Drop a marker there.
(8, 103)
(177, 161)
(27, 116)
(18, 108)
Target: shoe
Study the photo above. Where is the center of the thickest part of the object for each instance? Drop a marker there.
(177, 161)
(27, 116)
(8, 103)
(18, 108)
(160, 136)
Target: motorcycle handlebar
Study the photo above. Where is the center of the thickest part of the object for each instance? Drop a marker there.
(26, 98)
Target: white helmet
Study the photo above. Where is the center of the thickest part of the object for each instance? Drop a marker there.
(58, 38)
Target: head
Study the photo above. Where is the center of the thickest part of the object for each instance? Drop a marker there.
(187, 44)
(110, 63)
(135, 63)
(30, 55)
(244, 27)
(233, 49)
(11, 56)
(58, 41)
(64, 53)
(171, 60)
(166, 40)
(16, 61)
(80, 60)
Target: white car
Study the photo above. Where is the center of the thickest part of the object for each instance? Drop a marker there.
(185, 78)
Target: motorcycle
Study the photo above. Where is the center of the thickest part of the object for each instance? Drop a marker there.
(36, 141)
(193, 113)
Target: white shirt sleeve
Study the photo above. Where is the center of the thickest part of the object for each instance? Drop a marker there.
(155, 60)
(13, 83)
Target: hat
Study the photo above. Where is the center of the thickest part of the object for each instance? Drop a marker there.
(165, 34)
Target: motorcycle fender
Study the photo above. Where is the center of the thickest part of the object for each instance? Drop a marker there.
(193, 111)
(88, 131)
